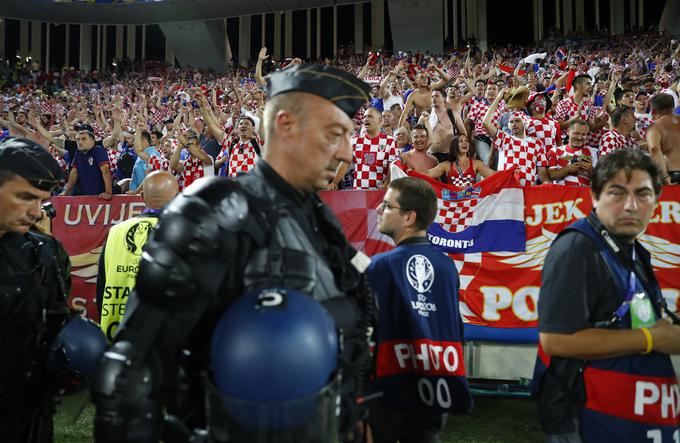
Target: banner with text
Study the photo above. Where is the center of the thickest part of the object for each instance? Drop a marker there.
(499, 290)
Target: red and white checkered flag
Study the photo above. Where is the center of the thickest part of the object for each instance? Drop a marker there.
(46, 107)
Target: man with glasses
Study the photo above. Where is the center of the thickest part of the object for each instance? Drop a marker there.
(419, 362)
(604, 372)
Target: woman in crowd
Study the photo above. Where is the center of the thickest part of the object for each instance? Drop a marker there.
(463, 168)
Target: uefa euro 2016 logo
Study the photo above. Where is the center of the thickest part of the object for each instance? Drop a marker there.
(420, 273)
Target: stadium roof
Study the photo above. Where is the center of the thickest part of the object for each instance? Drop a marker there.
(146, 13)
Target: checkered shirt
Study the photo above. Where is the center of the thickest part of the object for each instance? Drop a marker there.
(98, 131)
(157, 163)
(194, 169)
(525, 153)
(467, 178)
(613, 140)
(455, 216)
(561, 156)
(113, 154)
(372, 158)
(55, 154)
(473, 101)
(159, 114)
(545, 130)
(642, 123)
(241, 158)
(567, 107)
(477, 113)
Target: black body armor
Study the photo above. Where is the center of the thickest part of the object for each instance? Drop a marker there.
(217, 240)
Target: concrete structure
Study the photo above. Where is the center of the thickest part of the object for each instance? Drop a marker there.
(195, 30)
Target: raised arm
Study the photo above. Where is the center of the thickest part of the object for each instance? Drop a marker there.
(175, 164)
(616, 75)
(444, 77)
(403, 120)
(364, 71)
(261, 57)
(488, 117)
(209, 118)
(117, 117)
(141, 127)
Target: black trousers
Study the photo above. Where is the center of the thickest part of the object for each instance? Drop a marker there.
(405, 427)
(29, 427)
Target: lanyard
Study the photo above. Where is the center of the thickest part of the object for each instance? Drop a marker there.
(632, 284)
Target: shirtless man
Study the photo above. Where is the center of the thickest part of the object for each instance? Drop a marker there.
(421, 98)
(418, 159)
(442, 128)
(663, 138)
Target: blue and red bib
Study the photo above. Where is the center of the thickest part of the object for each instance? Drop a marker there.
(634, 398)
(419, 354)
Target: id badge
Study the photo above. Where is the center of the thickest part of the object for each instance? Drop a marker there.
(641, 311)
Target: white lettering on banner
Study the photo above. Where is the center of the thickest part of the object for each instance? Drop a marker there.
(499, 298)
(648, 394)
(669, 213)
(554, 213)
(427, 357)
(449, 242)
(95, 216)
(79, 304)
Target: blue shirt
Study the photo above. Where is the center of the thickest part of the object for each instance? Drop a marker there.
(140, 168)
(88, 164)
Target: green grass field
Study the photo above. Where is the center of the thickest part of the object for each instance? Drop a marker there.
(493, 420)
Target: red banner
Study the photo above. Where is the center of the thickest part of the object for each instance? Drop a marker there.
(498, 289)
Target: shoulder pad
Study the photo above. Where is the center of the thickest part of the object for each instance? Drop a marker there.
(225, 197)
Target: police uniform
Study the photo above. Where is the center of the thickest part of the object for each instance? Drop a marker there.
(219, 239)
(34, 284)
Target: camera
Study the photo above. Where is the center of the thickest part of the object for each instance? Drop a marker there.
(49, 210)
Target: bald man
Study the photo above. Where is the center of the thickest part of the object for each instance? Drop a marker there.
(663, 138)
(119, 259)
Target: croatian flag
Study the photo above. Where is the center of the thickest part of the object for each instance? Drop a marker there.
(485, 217)
(561, 55)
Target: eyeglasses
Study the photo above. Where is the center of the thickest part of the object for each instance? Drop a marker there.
(384, 205)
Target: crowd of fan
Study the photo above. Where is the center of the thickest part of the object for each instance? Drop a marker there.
(549, 111)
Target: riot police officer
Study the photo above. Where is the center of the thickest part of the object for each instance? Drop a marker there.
(222, 238)
(34, 283)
